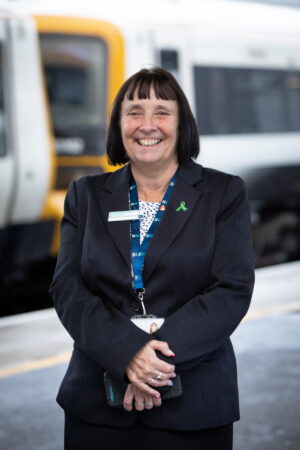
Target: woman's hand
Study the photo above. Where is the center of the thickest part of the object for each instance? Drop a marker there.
(135, 398)
(146, 368)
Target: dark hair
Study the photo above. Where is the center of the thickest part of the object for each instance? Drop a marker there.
(165, 87)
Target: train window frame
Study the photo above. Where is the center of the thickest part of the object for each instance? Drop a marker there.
(101, 108)
(217, 115)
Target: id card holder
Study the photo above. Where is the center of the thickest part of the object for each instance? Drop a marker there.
(148, 322)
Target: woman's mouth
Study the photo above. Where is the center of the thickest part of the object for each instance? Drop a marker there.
(148, 142)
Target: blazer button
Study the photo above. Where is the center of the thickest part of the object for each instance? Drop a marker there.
(135, 307)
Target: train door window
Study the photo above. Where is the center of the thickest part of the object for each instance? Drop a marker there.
(237, 100)
(75, 68)
(169, 61)
(3, 149)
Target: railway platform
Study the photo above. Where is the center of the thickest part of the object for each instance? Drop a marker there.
(35, 349)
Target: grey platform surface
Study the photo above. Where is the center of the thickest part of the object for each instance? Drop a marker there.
(269, 376)
(268, 354)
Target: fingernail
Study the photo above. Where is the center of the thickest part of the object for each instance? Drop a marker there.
(170, 383)
(173, 375)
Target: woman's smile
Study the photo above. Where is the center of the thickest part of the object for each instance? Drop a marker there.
(148, 142)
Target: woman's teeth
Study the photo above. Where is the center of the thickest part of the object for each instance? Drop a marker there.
(148, 142)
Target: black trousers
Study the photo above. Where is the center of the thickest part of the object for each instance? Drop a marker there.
(81, 435)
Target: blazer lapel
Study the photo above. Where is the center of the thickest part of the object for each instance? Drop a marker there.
(180, 207)
(114, 197)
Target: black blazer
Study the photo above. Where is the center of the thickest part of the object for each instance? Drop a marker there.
(198, 273)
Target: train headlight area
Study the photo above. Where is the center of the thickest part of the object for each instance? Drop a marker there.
(61, 66)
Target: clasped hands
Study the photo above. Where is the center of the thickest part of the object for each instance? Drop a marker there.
(145, 372)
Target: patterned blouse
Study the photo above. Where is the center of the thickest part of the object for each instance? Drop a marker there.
(149, 210)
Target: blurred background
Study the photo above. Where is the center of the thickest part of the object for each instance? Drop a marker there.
(61, 64)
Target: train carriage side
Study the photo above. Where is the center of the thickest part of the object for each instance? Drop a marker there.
(244, 86)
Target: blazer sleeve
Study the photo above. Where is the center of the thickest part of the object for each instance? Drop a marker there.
(104, 334)
(205, 322)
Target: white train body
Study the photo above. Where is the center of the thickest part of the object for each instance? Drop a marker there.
(26, 154)
(25, 168)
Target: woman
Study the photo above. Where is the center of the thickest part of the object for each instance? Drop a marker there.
(193, 269)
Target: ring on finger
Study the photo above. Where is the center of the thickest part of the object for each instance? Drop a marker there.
(159, 377)
(149, 404)
(140, 403)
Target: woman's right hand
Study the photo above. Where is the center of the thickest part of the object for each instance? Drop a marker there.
(136, 399)
(145, 368)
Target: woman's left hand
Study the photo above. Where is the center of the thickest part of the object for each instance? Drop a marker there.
(135, 398)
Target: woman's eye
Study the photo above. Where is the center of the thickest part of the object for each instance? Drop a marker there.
(163, 113)
(134, 113)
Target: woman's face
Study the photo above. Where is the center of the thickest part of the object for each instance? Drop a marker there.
(149, 130)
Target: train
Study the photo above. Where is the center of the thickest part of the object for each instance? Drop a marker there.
(26, 147)
(237, 62)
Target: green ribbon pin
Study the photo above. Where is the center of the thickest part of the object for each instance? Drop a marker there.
(182, 207)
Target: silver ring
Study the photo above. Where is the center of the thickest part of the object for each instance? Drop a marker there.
(140, 403)
(159, 377)
(149, 404)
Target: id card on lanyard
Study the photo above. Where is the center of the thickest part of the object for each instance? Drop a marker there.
(147, 322)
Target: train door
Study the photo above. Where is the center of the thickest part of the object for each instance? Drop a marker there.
(30, 135)
(173, 55)
(6, 158)
(25, 150)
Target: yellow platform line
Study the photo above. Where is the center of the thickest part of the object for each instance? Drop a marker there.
(41, 363)
(62, 358)
(263, 313)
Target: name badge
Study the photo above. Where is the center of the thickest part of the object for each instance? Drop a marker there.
(148, 323)
(133, 214)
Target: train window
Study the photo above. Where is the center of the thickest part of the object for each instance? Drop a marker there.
(169, 61)
(2, 123)
(235, 100)
(75, 69)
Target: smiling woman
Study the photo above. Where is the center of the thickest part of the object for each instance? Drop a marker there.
(155, 105)
(152, 296)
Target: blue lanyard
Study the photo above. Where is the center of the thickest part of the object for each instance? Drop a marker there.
(138, 251)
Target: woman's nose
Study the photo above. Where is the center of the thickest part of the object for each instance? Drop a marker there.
(148, 124)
